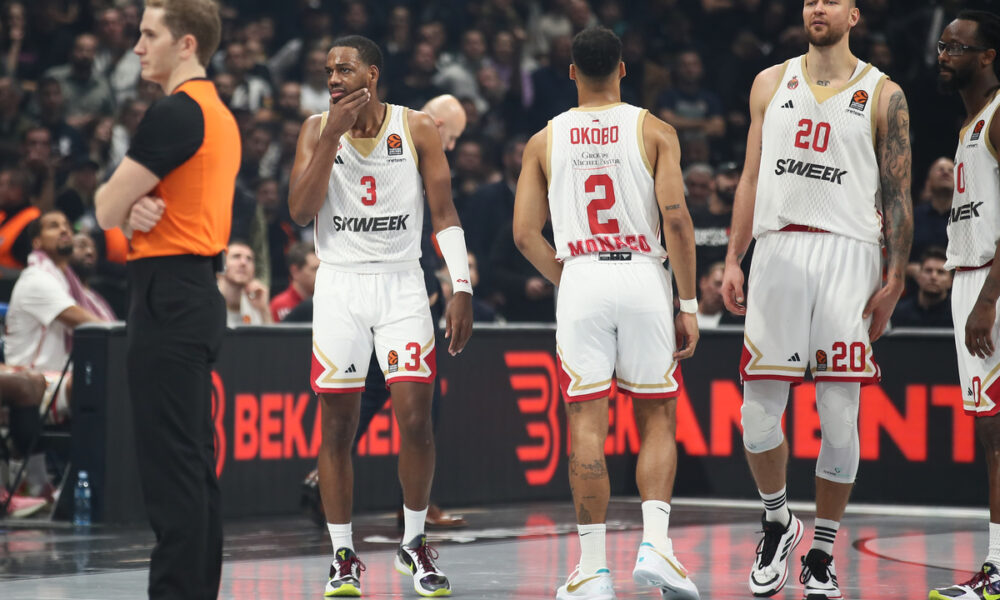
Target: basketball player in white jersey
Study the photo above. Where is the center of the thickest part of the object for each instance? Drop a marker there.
(825, 185)
(360, 173)
(967, 59)
(607, 171)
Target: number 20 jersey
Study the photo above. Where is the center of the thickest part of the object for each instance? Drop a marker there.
(374, 207)
(601, 192)
(818, 166)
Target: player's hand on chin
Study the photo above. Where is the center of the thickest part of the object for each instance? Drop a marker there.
(344, 113)
(458, 322)
(686, 325)
(880, 307)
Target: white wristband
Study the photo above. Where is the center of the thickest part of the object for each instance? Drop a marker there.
(689, 306)
(451, 241)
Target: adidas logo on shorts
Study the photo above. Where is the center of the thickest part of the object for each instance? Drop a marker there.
(788, 105)
(351, 369)
(792, 358)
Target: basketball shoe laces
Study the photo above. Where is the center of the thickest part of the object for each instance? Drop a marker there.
(822, 572)
(979, 580)
(345, 567)
(425, 557)
(768, 545)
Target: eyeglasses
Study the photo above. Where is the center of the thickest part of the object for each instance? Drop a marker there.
(956, 48)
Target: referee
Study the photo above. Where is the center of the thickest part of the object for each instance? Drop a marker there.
(173, 193)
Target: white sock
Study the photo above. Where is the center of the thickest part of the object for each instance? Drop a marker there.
(413, 523)
(592, 553)
(340, 535)
(776, 507)
(824, 533)
(655, 522)
(994, 550)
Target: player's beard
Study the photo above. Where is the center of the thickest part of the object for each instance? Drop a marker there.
(828, 38)
(959, 80)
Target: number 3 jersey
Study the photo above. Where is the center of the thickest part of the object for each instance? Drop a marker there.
(601, 185)
(374, 207)
(818, 166)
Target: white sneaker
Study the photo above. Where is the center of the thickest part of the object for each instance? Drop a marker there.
(770, 568)
(595, 586)
(663, 570)
(819, 576)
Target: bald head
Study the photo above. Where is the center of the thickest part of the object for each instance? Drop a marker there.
(449, 116)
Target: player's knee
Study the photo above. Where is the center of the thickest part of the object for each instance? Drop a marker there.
(837, 405)
(763, 407)
(415, 427)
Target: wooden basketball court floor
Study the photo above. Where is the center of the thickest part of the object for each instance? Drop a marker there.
(522, 551)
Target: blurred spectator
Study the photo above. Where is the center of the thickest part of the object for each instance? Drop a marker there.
(246, 297)
(98, 136)
(693, 110)
(580, 15)
(492, 204)
(559, 90)
(250, 92)
(39, 165)
(129, 117)
(398, 43)
(21, 59)
(115, 60)
(256, 144)
(279, 230)
(16, 213)
(519, 291)
(711, 309)
(880, 54)
(699, 185)
(929, 307)
(315, 94)
(302, 266)
(546, 26)
(645, 80)
(469, 171)
(713, 219)
(457, 75)
(481, 311)
(611, 16)
(930, 218)
(66, 139)
(77, 197)
(87, 93)
(417, 86)
(513, 68)
(288, 62)
(355, 19)
(225, 86)
(289, 105)
(13, 122)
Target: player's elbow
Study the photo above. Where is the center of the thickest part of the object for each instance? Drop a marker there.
(523, 236)
(300, 216)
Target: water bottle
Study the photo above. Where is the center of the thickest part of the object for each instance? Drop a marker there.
(81, 501)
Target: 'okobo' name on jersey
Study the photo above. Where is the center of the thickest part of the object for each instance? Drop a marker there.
(818, 166)
(374, 207)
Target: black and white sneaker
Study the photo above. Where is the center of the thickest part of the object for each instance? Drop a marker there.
(819, 576)
(416, 559)
(770, 568)
(345, 574)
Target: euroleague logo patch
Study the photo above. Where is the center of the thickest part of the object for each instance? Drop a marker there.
(393, 358)
(978, 130)
(859, 100)
(394, 145)
(793, 82)
(820, 360)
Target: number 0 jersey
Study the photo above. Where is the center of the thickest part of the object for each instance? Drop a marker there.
(601, 185)
(374, 207)
(818, 166)
(974, 223)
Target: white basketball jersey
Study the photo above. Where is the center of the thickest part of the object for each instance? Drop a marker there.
(974, 225)
(374, 207)
(601, 185)
(818, 166)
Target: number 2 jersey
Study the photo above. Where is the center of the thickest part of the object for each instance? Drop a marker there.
(374, 207)
(601, 192)
(818, 165)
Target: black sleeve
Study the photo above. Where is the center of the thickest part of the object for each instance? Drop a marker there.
(170, 133)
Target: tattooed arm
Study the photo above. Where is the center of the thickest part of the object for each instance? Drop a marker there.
(894, 171)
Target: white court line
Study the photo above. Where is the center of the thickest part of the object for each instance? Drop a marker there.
(894, 510)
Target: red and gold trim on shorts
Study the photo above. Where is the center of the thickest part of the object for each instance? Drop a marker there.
(983, 399)
(574, 390)
(753, 367)
(328, 378)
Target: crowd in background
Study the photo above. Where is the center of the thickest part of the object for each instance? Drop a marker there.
(71, 98)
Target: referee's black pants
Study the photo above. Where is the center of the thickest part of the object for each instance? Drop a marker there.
(175, 325)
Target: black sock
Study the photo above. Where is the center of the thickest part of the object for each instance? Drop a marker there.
(25, 427)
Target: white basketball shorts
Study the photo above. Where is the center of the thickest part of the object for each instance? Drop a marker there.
(806, 294)
(615, 318)
(977, 376)
(352, 311)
